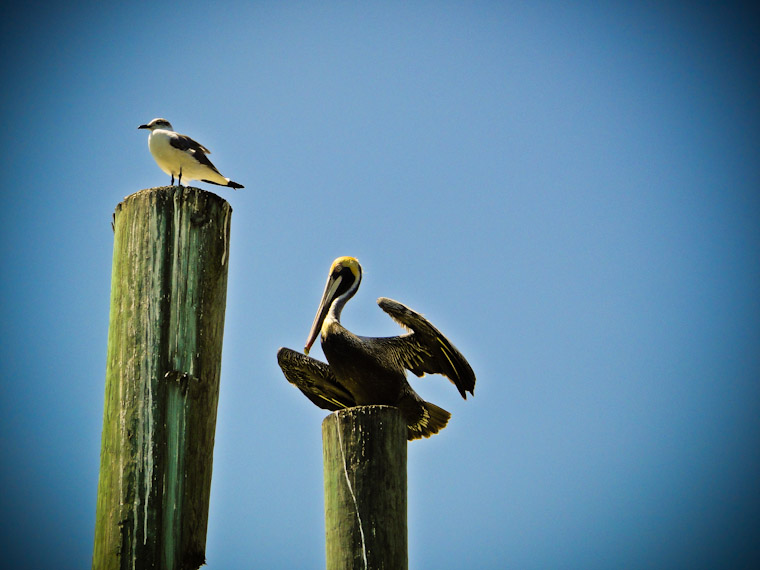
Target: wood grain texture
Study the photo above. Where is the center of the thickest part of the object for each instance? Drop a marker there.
(168, 295)
(364, 452)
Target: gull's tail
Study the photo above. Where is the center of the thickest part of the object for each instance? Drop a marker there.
(230, 183)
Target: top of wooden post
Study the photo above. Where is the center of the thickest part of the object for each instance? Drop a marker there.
(173, 190)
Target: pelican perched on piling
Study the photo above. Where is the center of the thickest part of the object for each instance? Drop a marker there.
(367, 370)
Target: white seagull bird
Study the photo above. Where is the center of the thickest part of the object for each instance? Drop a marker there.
(179, 155)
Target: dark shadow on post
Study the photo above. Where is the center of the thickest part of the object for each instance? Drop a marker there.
(168, 295)
(364, 452)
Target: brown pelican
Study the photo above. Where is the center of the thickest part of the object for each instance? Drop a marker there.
(366, 370)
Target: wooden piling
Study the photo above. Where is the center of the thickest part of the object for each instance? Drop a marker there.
(168, 294)
(364, 452)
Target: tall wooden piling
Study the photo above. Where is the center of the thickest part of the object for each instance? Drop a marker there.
(168, 294)
(364, 452)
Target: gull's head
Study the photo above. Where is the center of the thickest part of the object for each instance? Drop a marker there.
(157, 124)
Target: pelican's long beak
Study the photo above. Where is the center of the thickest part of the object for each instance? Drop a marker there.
(328, 297)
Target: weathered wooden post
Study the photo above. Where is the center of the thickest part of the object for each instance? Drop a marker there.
(168, 293)
(364, 452)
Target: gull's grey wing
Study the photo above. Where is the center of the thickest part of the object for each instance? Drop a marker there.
(199, 152)
(315, 379)
(184, 142)
(425, 349)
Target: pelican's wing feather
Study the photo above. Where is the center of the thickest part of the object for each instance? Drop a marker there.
(315, 379)
(425, 349)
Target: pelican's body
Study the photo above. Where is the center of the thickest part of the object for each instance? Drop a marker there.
(367, 370)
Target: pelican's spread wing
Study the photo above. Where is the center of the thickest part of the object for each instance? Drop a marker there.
(315, 379)
(425, 349)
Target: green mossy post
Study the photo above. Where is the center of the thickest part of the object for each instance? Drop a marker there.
(168, 294)
(364, 452)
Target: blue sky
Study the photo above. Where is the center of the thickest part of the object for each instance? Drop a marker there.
(569, 191)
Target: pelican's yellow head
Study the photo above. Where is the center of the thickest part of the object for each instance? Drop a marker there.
(342, 282)
(346, 262)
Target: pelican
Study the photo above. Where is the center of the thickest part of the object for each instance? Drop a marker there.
(366, 370)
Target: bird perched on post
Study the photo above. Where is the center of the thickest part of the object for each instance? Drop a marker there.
(179, 155)
(367, 370)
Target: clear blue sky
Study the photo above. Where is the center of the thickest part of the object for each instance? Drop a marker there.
(570, 191)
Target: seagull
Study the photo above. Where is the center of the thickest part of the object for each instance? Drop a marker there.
(179, 155)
